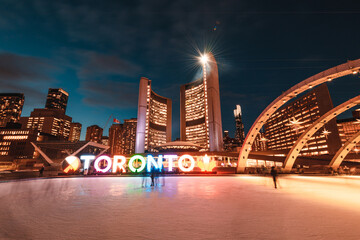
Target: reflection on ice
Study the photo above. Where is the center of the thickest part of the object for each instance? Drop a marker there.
(185, 208)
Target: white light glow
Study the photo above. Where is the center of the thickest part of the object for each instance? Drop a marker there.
(181, 166)
(204, 59)
(131, 162)
(73, 162)
(151, 161)
(87, 159)
(98, 160)
(117, 164)
(170, 159)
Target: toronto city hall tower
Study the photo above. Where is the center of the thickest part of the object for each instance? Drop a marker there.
(200, 113)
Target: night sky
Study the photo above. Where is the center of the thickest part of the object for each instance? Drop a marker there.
(98, 50)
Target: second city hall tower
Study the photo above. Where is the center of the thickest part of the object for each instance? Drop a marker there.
(200, 112)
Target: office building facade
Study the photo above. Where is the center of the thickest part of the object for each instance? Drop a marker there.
(239, 126)
(230, 144)
(200, 112)
(129, 134)
(348, 127)
(122, 137)
(115, 139)
(154, 119)
(16, 143)
(260, 143)
(289, 122)
(57, 98)
(50, 121)
(105, 141)
(11, 105)
(75, 132)
(94, 133)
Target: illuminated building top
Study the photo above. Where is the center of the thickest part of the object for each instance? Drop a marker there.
(200, 113)
(239, 132)
(57, 98)
(11, 105)
(94, 133)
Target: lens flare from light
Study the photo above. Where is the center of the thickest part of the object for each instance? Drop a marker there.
(204, 59)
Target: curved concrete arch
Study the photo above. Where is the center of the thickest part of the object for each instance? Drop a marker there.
(310, 131)
(344, 69)
(344, 150)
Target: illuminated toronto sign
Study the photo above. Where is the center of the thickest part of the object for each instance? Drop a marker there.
(138, 163)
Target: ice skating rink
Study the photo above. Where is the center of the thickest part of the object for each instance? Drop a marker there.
(229, 207)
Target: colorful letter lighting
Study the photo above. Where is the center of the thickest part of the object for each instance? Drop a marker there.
(98, 160)
(170, 159)
(186, 163)
(71, 163)
(206, 165)
(87, 159)
(151, 161)
(120, 164)
(131, 163)
(181, 166)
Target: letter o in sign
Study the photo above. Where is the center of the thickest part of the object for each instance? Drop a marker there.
(181, 166)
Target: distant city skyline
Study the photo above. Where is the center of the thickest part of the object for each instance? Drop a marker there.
(97, 52)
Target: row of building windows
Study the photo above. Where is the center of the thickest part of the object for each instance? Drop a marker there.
(18, 137)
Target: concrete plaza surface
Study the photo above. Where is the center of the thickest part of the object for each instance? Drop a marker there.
(236, 207)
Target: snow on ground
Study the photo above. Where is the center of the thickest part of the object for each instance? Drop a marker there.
(236, 207)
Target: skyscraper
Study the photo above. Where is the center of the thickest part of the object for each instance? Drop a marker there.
(57, 98)
(50, 121)
(75, 132)
(11, 105)
(230, 144)
(94, 133)
(154, 118)
(115, 139)
(200, 113)
(105, 141)
(239, 130)
(129, 135)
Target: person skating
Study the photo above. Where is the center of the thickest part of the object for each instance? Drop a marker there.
(152, 176)
(273, 173)
(41, 171)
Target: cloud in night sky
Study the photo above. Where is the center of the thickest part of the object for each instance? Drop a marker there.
(99, 65)
(98, 50)
(110, 94)
(25, 74)
(108, 81)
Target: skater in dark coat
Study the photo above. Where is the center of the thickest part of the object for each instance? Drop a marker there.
(274, 174)
(41, 171)
(152, 176)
